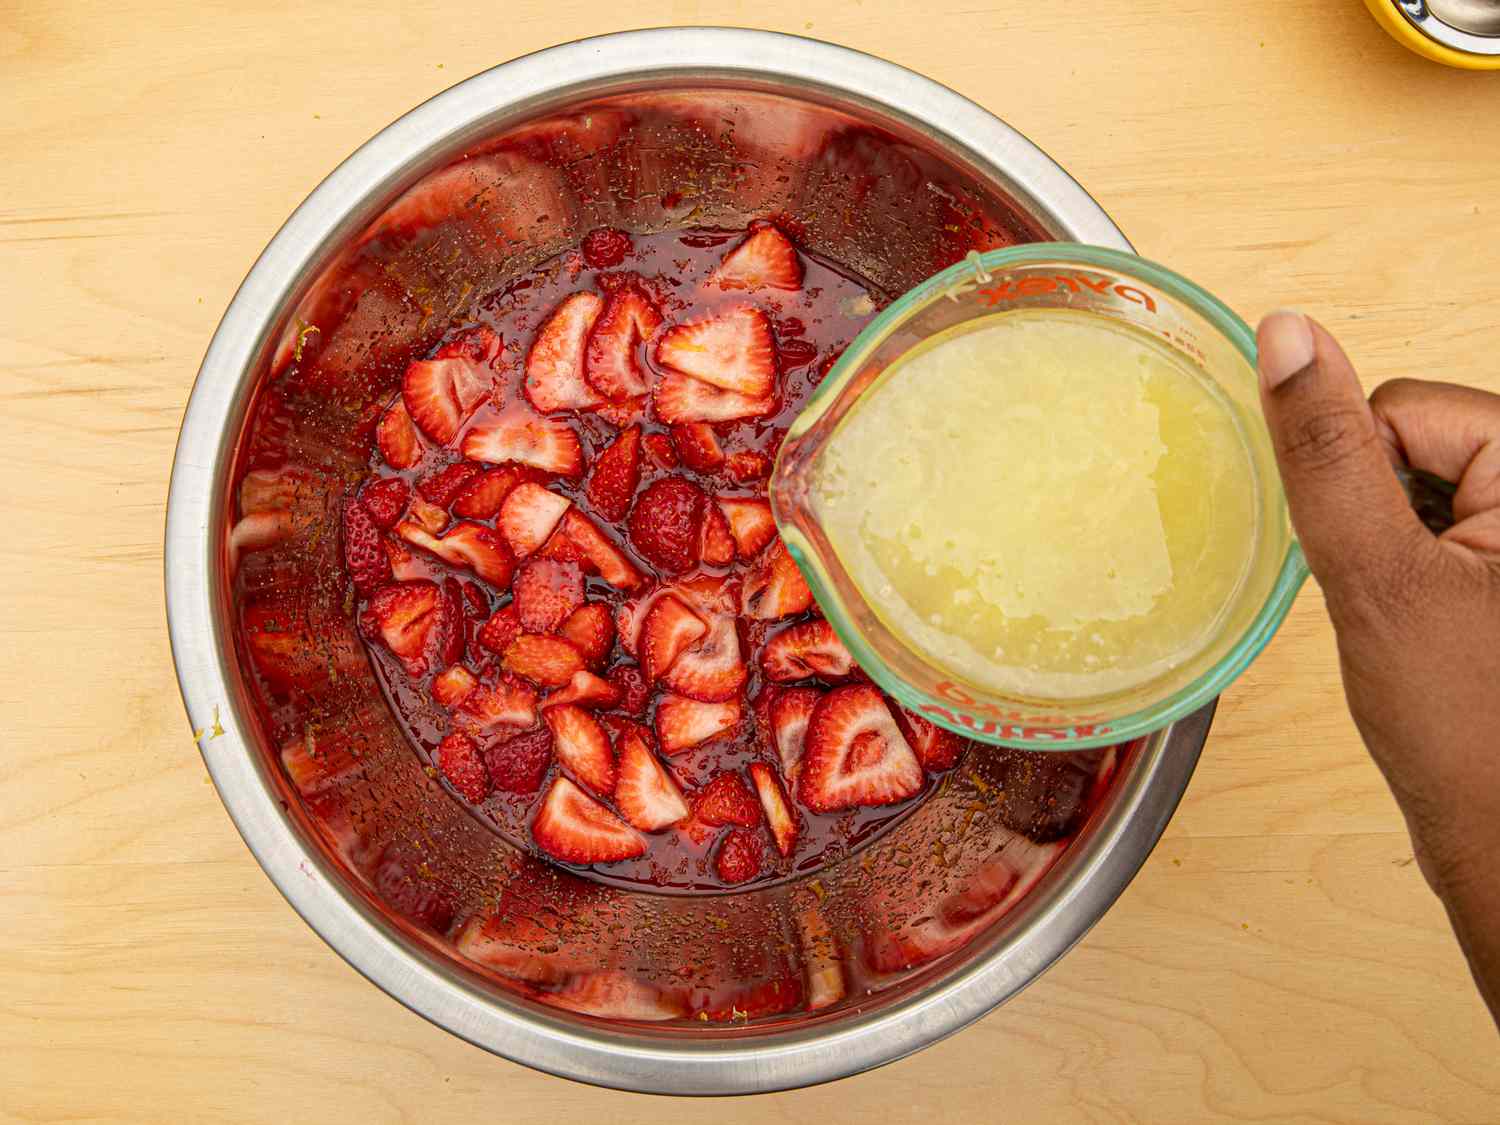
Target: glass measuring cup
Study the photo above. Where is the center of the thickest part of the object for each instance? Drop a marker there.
(1205, 334)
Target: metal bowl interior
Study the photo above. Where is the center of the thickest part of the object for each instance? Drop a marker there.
(943, 916)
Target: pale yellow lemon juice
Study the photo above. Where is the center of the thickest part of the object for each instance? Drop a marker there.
(1045, 503)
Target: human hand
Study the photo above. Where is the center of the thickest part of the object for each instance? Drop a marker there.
(1417, 615)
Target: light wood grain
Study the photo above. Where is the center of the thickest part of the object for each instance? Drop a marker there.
(1279, 959)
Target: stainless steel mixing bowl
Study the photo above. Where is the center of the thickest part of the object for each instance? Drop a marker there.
(883, 170)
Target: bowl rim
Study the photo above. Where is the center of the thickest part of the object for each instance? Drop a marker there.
(1058, 912)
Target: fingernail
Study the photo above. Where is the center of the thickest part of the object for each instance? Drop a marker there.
(1285, 343)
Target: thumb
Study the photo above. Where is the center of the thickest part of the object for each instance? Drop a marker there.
(1353, 520)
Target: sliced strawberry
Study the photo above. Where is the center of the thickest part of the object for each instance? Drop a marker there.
(599, 552)
(404, 565)
(546, 593)
(750, 522)
(403, 616)
(548, 444)
(442, 486)
(822, 960)
(765, 259)
(611, 363)
(364, 549)
(630, 682)
(529, 516)
(710, 593)
(716, 544)
(697, 446)
(501, 629)
(625, 413)
(440, 394)
(481, 498)
(429, 517)
(668, 630)
(809, 649)
(604, 247)
(385, 500)
(554, 366)
(936, 748)
(469, 545)
(682, 398)
(748, 465)
(855, 754)
(453, 685)
(507, 703)
(779, 815)
(591, 630)
(585, 689)
(790, 710)
(518, 764)
(732, 350)
(397, 438)
(666, 523)
(616, 475)
(711, 670)
(573, 827)
(775, 587)
(449, 630)
(658, 447)
(740, 856)
(725, 800)
(645, 793)
(582, 747)
(682, 723)
(549, 661)
(458, 758)
(616, 994)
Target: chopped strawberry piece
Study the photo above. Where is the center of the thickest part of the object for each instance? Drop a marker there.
(599, 552)
(385, 500)
(779, 815)
(937, 749)
(725, 800)
(740, 856)
(554, 366)
(403, 617)
(631, 684)
(627, 412)
(546, 593)
(453, 685)
(458, 758)
(668, 630)
(482, 497)
(573, 827)
(582, 747)
(790, 710)
(591, 630)
(605, 247)
(611, 363)
(449, 629)
(711, 670)
(775, 587)
(501, 629)
(441, 394)
(519, 764)
(750, 522)
(548, 444)
(471, 546)
(364, 549)
(855, 754)
(585, 690)
(765, 259)
(681, 398)
(748, 465)
(529, 516)
(397, 438)
(429, 517)
(659, 448)
(441, 487)
(809, 649)
(666, 523)
(508, 703)
(716, 544)
(697, 446)
(549, 661)
(616, 475)
(645, 793)
(404, 564)
(682, 723)
(731, 350)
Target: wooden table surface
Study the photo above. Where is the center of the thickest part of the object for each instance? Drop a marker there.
(1279, 959)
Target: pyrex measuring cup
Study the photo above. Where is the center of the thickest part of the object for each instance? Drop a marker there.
(1212, 340)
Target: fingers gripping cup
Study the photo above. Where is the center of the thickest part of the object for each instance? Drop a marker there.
(1037, 500)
